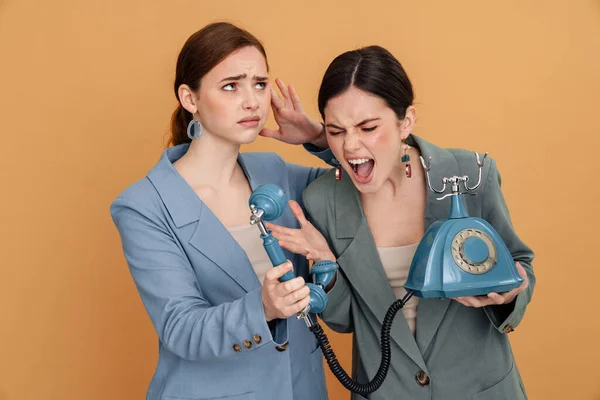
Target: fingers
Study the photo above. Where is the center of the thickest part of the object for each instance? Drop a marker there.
(294, 296)
(298, 213)
(283, 289)
(284, 299)
(284, 91)
(499, 298)
(510, 296)
(296, 248)
(491, 299)
(523, 275)
(295, 308)
(280, 230)
(472, 301)
(273, 274)
(295, 99)
(288, 238)
(270, 133)
(276, 102)
(461, 301)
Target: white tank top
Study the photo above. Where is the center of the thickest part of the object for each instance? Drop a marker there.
(396, 264)
(248, 237)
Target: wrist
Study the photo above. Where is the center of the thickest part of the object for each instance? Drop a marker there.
(268, 317)
(330, 257)
(320, 139)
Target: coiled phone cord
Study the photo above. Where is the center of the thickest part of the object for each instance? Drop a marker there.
(362, 388)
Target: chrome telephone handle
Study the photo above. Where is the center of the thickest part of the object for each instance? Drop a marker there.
(454, 180)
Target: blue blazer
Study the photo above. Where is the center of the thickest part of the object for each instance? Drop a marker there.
(203, 296)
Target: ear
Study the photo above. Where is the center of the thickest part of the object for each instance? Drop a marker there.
(187, 97)
(408, 123)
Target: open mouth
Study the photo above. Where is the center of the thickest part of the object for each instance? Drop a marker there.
(362, 169)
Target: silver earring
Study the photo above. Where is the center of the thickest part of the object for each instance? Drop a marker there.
(194, 129)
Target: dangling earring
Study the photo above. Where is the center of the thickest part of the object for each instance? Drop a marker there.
(406, 159)
(338, 169)
(194, 130)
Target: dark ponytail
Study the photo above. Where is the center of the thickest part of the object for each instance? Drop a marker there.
(179, 122)
(201, 53)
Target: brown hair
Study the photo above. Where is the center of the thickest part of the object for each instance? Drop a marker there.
(201, 53)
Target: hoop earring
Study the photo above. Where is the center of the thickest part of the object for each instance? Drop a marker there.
(194, 130)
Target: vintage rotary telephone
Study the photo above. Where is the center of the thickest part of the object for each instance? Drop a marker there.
(458, 256)
(461, 255)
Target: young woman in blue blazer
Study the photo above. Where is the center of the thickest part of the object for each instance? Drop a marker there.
(226, 325)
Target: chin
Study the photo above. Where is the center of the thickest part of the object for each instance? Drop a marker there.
(367, 188)
(248, 139)
(372, 186)
(247, 136)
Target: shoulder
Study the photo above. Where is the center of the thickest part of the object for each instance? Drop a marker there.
(265, 167)
(455, 161)
(321, 191)
(466, 161)
(261, 159)
(140, 197)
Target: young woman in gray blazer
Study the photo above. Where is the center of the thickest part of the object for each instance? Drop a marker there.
(369, 216)
(221, 314)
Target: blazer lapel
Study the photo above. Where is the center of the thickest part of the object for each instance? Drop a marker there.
(431, 312)
(210, 237)
(361, 264)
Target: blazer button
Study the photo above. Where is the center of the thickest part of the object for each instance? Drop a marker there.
(422, 378)
(257, 339)
(283, 347)
(247, 344)
(508, 328)
(237, 348)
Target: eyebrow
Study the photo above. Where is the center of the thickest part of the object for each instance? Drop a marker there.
(244, 76)
(365, 121)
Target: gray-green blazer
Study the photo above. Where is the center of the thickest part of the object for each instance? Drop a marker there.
(458, 352)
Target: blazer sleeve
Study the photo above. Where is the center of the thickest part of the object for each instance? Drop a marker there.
(299, 177)
(325, 155)
(186, 323)
(337, 315)
(506, 317)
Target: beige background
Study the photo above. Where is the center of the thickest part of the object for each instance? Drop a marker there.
(85, 100)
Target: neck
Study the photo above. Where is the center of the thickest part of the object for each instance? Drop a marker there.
(392, 188)
(210, 161)
(398, 186)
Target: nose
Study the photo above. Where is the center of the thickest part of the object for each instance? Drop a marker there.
(351, 141)
(250, 102)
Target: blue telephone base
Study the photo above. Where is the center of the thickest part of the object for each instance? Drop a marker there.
(441, 268)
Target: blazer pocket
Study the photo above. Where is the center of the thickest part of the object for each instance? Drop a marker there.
(244, 396)
(508, 388)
